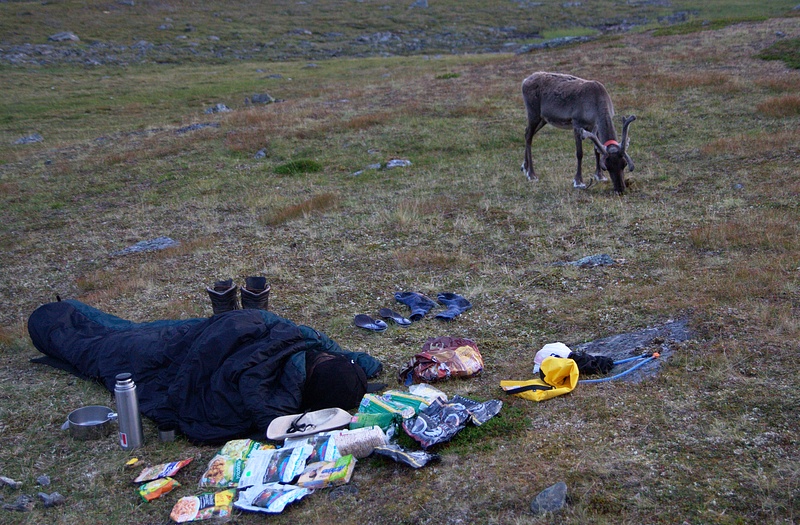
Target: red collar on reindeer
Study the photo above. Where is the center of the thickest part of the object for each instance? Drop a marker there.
(611, 142)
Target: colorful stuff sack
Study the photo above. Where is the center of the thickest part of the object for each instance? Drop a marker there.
(441, 358)
(559, 376)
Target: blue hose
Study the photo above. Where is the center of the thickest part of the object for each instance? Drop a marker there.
(644, 359)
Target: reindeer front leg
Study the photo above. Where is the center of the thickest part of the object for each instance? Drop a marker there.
(527, 161)
(578, 182)
(598, 174)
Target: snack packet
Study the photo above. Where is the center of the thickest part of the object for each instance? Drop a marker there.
(238, 448)
(323, 447)
(157, 488)
(222, 472)
(398, 397)
(327, 473)
(205, 506)
(375, 404)
(271, 498)
(161, 471)
(273, 466)
(286, 464)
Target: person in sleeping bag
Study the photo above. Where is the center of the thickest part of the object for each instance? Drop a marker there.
(214, 379)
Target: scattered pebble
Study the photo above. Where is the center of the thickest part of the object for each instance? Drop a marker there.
(30, 139)
(52, 500)
(159, 243)
(217, 108)
(551, 499)
(10, 482)
(23, 503)
(43, 480)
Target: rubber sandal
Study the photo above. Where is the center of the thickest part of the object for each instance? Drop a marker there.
(418, 303)
(368, 323)
(387, 313)
(455, 304)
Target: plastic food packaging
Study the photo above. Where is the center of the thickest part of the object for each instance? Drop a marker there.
(270, 498)
(225, 469)
(375, 404)
(205, 506)
(327, 473)
(157, 488)
(161, 471)
(359, 442)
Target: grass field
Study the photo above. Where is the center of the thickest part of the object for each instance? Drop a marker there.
(708, 231)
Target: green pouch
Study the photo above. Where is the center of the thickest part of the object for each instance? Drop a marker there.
(363, 419)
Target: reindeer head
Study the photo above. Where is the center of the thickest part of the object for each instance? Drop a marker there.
(613, 157)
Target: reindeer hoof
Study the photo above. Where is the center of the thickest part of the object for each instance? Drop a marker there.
(579, 185)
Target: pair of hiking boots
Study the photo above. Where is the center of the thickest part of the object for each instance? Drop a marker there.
(254, 295)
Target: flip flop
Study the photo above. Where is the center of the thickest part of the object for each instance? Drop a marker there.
(386, 313)
(368, 323)
(418, 303)
(455, 304)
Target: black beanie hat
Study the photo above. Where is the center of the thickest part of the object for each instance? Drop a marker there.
(332, 381)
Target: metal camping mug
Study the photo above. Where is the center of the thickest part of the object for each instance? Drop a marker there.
(128, 417)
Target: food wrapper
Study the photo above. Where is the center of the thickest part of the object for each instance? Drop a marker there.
(323, 447)
(222, 472)
(271, 498)
(375, 404)
(327, 473)
(401, 398)
(205, 506)
(226, 468)
(161, 471)
(275, 466)
(157, 488)
(238, 448)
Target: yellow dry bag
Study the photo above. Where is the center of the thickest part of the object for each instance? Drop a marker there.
(560, 376)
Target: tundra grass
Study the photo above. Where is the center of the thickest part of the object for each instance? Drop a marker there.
(708, 230)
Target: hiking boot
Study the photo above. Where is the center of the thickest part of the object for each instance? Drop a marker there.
(223, 296)
(255, 293)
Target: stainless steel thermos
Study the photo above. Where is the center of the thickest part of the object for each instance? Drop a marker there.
(128, 417)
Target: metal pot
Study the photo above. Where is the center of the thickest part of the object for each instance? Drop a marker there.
(92, 422)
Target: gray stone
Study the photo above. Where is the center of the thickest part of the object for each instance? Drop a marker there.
(30, 139)
(52, 500)
(64, 36)
(218, 108)
(23, 503)
(43, 480)
(10, 482)
(551, 499)
(260, 98)
(663, 338)
(159, 243)
(195, 127)
(420, 3)
(397, 163)
(590, 261)
(260, 154)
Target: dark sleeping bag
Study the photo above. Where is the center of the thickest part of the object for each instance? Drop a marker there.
(215, 379)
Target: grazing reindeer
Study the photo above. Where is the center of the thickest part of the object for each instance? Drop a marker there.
(584, 106)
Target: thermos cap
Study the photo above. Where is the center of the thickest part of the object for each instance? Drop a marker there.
(124, 377)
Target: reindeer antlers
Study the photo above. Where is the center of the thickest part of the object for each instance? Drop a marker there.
(626, 121)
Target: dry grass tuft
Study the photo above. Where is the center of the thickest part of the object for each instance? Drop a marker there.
(744, 145)
(318, 203)
(425, 259)
(362, 122)
(782, 106)
(762, 234)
